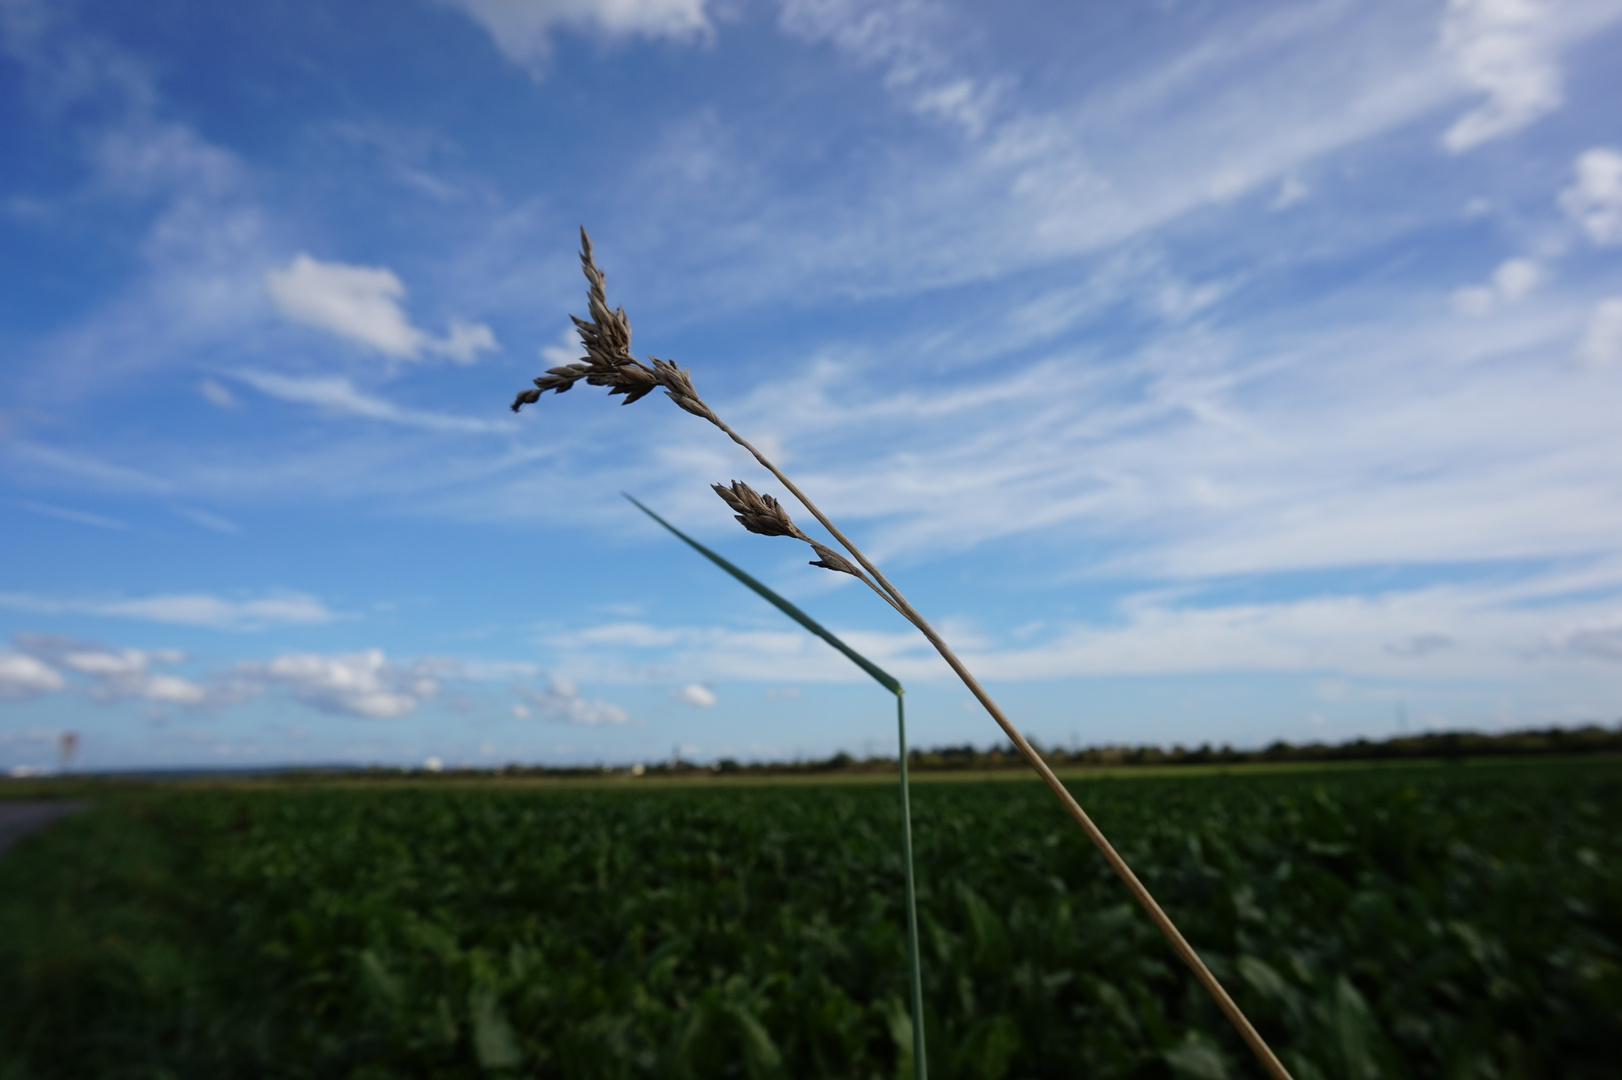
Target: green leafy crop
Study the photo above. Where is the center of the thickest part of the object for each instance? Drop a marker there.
(1416, 922)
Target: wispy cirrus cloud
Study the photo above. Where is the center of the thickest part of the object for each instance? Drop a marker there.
(78, 465)
(620, 651)
(1562, 620)
(1201, 307)
(188, 609)
(80, 517)
(338, 395)
(1258, 95)
(910, 41)
(1501, 49)
(1201, 454)
(210, 521)
(201, 234)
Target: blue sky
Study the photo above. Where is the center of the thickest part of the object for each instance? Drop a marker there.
(1204, 371)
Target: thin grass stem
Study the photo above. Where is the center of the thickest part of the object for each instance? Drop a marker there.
(920, 1061)
(609, 363)
(1141, 894)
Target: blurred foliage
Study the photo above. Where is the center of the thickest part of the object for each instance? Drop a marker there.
(1416, 922)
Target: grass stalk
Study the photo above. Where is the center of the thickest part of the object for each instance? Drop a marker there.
(608, 362)
(920, 1059)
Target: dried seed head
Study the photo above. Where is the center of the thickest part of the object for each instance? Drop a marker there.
(764, 515)
(759, 513)
(830, 559)
(678, 384)
(629, 378)
(608, 360)
(607, 340)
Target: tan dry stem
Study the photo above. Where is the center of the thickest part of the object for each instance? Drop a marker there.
(1179, 944)
(609, 363)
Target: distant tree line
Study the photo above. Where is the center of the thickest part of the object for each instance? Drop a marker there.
(1441, 745)
(1434, 746)
(1592, 739)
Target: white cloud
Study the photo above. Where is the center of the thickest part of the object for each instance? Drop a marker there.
(201, 609)
(118, 674)
(1500, 48)
(1511, 282)
(1557, 621)
(694, 694)
(356, 302)
(173, 690)
(362, 303)
(217, 395)
(190, 609)
(1515, 278)
(338, 395)
(561, 700)
(1601, 344)
(465, 341)
(23, 677)
(361, 684)
(522, 29)
(1594, 201)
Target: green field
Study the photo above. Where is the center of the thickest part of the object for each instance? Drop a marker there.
(1446, 921)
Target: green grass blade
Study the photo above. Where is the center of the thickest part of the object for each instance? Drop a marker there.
(920, 1067)
(883, 677)
(920, 1059)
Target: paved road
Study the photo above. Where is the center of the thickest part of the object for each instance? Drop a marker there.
(18, 819)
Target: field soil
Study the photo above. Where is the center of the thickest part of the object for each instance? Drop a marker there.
(18, 819)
